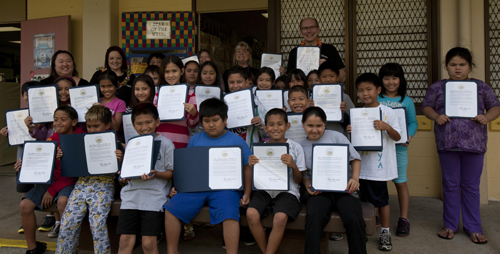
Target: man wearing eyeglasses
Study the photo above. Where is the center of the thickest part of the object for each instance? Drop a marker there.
(309, 29)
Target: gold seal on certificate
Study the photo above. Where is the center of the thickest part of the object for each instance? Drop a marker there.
(43, 101)
(461, 99)
(270, 98)
(296, 131)
(224, 168)
(401, 115)
(203, 92)
(17, 130)
(38, 162)
(240, 108)
(82, 98)
(128, 128)
(100, 153)
(364, 137)
(308, 58)
(330, 167)
(270, 173)
(137, 158)
(329, 97)
(171, 101)
(272, 61)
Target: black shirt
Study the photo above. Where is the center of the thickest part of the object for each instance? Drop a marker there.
(328, 52)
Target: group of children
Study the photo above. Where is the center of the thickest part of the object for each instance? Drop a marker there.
(147, 202)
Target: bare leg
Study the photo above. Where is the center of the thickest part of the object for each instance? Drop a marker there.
(231, 230)
(253, 218)
(149, 245)
(127, 243)
(404, 199)
(279, 224)
(385, 215)
(173, 231)
(61, 205)
(28, 221)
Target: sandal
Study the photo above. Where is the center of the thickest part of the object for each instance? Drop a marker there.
(480, 238)
(446, 233)
(188, 232)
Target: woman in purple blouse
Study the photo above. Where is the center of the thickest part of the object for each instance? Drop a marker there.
(461, 144)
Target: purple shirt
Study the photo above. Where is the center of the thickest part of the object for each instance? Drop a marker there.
(460, 134)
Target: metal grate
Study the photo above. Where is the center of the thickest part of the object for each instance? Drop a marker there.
(330, 15)
(394, 31)
(494, 45)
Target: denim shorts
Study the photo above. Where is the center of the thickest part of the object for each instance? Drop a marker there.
(35, 195)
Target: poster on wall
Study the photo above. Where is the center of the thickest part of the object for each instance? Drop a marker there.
(158, 29)
(43, 46)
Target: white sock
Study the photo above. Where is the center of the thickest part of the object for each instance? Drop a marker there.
(58, 222)
(50, 215)
(382, 229)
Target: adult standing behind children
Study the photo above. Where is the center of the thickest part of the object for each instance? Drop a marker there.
(63, 64)
(309, 30)
(243, 58)
(461, 144)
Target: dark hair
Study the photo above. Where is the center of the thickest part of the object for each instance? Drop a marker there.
(155, 55)
(53, 74)
(297, 74)
(252, 78)
(328, 65)
(72, 81)
(268, 71)
(314, 111)
(238, 70)
(217, 76)
(170, 59)
(149, 81)
(283, 79)
(124, 66)
(393, 69)
(145, 109)
(24, 87)
(69, 110)
(108, 75)
(276, 111)
(100, 113)
(300, 89)
(152, 69)
(370, 78)
(191, 62)
(211, 107)
(204, 51)
(315, 20)
(461, 52)
(311, 73)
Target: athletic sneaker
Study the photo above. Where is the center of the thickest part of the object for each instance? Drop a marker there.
(248, 239)
(403, 228)
(40, 248)
(336, 237)
(385, 242)
(55, 231)
(223, 244)
(20, 230)
(48, 224)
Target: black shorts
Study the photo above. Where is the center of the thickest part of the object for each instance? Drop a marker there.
(23, 187)
(135, 222)
(283, 203)
(374, 192)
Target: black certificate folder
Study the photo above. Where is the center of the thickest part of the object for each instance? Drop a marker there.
(191, 169)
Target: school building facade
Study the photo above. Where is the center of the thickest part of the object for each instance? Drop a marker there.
(367, 33)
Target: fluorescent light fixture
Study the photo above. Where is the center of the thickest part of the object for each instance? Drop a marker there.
(18, 42)
(9, 29)
(265, 15)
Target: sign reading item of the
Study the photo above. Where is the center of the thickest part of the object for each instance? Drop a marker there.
(159, 29)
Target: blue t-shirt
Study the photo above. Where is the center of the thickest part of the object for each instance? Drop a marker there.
(228, 139)
(411, 116)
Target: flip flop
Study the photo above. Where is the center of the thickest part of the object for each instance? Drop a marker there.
(476, 236)
(448, 232)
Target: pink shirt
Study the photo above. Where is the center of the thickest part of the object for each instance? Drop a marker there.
(116, 106)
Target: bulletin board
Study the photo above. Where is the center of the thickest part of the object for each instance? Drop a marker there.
(136, 44)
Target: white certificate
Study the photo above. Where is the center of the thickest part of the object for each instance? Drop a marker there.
(138, 157)
(38, 162)
(128, 128)
(270, 173)
(270, 98)
(82, 98)
(240, 108)
(330, 167)
(272, 61)
(190, 58)
(401, 114)
(43, 101)
(17, 129)
(308, 58)
(285, 101)
(329, 97)
(171, 101)
(224, 168)
(461, 99)
(203, 92)
(364, 136)
(296, 131)
(100, 153)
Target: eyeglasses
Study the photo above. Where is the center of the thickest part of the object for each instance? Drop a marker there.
(308, 28)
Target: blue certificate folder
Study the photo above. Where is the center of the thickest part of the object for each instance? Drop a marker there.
(269, 153)
(53, 163)
(191, 168)
(154, 157)
(347, 166)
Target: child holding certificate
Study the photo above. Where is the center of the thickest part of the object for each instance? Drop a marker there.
(191, 73)
(286, 205)
(92, 193)
(380, 166)
(171, 72)
(461, 144)
(394, 95)
(108, 83)
(143, 89)
(224, 204)
(45, 195)
(143, 198)
(321, 204)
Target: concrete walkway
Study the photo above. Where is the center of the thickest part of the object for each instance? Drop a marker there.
(425, 218)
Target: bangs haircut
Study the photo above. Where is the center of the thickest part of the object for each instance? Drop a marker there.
(297, 74)
(71, 80)
(370, 78)
(328, 65)
(300, 89)
(170, 59)
(149, 81)
(276, 111)
(152, 69)
(314, 111)
(268, 71)
(283, 79)
(213, 107)
(109, 75)
(155, 55)
(217, 75)
(24, 87)
(394, 70)
(238, 70)
(68, 110)
(145, 109)
(99, 113)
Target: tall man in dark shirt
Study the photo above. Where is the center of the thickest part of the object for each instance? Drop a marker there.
(309, 29)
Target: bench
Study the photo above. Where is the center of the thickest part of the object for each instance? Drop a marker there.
(334, 226)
